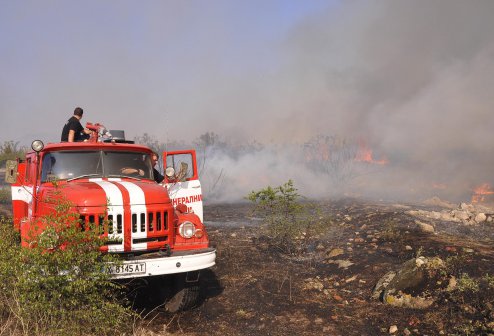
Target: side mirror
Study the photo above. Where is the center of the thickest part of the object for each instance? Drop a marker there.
(11, 171)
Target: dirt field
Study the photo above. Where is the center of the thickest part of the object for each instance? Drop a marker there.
(255, 290)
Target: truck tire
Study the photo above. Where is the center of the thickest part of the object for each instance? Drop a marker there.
(186, 295)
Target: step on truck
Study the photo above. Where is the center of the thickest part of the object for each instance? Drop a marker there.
(156, 228)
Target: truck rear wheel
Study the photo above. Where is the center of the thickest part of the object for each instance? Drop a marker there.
(186, 293)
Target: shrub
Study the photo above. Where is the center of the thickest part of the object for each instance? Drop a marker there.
(10, 150)
(5, 195)
(292, 224)
(467, 284)
(58, 286)
(489, 280)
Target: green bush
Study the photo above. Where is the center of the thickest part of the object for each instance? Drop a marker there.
(11, 150)
(292, 224)
(5, 195)
(58, 286)
(468, 284)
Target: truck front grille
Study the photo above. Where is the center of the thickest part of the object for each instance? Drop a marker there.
(147, 229)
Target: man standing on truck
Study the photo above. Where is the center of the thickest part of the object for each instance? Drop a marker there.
(73, 130)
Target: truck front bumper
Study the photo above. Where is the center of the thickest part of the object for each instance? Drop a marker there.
(155, 264)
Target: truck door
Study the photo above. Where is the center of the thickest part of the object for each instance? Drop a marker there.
(184, 187)
(21, 174)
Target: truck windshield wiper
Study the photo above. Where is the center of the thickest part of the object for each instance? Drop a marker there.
(82, 176)
(125, 176)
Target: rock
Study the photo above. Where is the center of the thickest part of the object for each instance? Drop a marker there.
(461, 215)
(408, 248)
(337, 297)
(424, 227)
(393, 329)
(381, 285)
(335, 252)
(452, 284)
(467, 207)
(420, 261)
(359, 240)
(435, 215)
(343, 263)
(445, 216)
(313, 284)
(480, 217)
(406, 332)
(411, 275)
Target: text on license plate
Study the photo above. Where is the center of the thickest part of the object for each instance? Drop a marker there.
(127, 269)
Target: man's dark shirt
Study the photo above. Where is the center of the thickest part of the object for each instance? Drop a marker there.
(75, 125)
(157, 176)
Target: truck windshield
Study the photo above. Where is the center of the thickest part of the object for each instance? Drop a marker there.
(67, 165)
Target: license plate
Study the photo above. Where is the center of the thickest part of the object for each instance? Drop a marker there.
(124, 269)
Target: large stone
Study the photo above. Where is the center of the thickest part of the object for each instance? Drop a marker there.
(393, 329)
(411, 275)
(335, 252)
(480, 217)
(461, 215)
(424, 227)
(381, 285)
(394, 288)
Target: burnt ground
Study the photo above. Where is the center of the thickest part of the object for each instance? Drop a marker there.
(256, 290)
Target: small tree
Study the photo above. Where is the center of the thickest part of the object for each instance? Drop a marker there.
(292, 225)
(11, 150)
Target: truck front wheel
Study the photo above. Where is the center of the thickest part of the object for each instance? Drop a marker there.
(186, 290)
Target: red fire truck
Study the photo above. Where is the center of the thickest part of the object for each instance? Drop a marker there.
(157, 229)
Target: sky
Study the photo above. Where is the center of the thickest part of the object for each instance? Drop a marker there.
(413, 79)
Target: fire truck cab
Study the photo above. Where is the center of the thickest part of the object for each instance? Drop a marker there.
(157, 229)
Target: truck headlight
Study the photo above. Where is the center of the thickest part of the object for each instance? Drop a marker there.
(187, 229)
(37, 145)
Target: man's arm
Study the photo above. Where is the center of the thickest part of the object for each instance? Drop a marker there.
(71, 136)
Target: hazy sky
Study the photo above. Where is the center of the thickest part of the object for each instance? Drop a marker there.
(415, 79)
(174, 69)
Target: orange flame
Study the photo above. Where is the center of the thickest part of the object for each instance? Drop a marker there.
(480, 192)
(364, 154)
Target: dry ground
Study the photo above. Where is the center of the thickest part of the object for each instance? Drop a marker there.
(255, 290)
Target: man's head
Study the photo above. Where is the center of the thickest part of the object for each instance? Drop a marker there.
(154, 158)
(78, 112)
